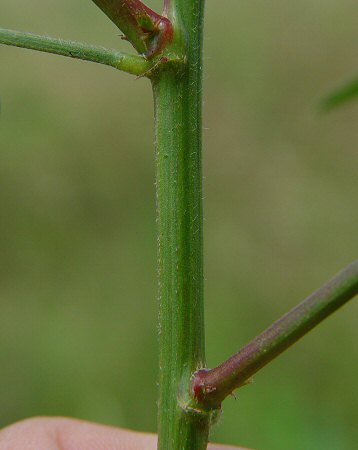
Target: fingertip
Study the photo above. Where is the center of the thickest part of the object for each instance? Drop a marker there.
(59, 433)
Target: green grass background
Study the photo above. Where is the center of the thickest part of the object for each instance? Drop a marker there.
(77, 220)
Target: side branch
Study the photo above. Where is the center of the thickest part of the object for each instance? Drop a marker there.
(145, 29)
(210, 387)
(134, 64)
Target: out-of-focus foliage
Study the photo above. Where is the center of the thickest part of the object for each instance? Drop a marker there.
(77, 220)
(340, 96)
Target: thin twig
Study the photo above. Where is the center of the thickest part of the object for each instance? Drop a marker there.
(134, 64)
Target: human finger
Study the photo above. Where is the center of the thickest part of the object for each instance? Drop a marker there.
(72, 434)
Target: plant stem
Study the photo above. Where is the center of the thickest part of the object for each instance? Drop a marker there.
(146, 30)
(210, 387)
(177, 95)
(134, 64)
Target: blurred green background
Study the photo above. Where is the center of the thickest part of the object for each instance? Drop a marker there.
(77, 219)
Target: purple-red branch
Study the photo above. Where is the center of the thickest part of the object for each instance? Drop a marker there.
(211, 386)
(146, 30)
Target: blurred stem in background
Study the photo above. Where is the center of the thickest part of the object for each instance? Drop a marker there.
(345, 93)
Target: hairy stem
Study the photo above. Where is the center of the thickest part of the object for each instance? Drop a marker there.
(134, 64)
(177, 95)
(210, 387)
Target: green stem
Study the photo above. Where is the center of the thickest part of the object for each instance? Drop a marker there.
(134, 64)
(177, 95)
(210, 387)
